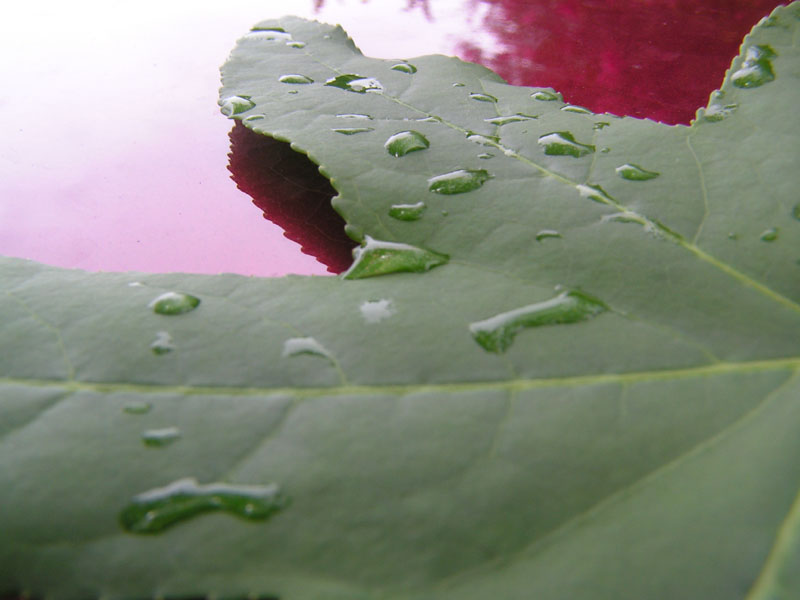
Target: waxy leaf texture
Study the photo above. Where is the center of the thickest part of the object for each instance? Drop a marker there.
(564, 363)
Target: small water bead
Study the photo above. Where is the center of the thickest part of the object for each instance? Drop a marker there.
(633, 172)
(354, 116)
(376, 311)
(271, 34)
(594, 192)
(137, 407)
(769, 235)
(235, 105)
(562, 143)
(304, 345)
(627, 217)
(756, 70)
(486, 155)
(483, 140)
(545, 96)
(251, 118)
(295, 78)
(292, 92)
(296, 44)
(733, 236)
(717, 112)
(605, 149)
(796, 211)
(407, 212)
(500, 121)
(458, 84)
(135, 284)
(160, 508)
(174, 303)
(600, 125)
(497, 333)
(162, 344)
(355, 83)
(430, 119)
(480, 97)
(576, 109)
(378, 257)
(404, 68)
(403, 142)
(159, 438)
(353, 130)
(458, 181)
(546, 234)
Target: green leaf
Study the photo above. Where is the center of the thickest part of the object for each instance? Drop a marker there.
(572, 373)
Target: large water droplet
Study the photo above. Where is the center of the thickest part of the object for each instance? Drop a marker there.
(353, 130)
(158, 509)
(162, 344)
(304, 345)
(499, 121)
(174, 303)
(407, 212)
(376, 311)
(137, 407)
(545, 96)
(296, 78)
(594, 192)
(497, 333)
(404, 142)
(235, 105)
(377, 257)
(756, 70)
(404, 68)
(547, 233)
(633, 172)
(482, 97)
(576, 109)
(354, 116)
(459, 181)
(562, 143)
(158, 438)
(355, 83)
(769, 235)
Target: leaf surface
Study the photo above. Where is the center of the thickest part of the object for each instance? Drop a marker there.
(571, 372)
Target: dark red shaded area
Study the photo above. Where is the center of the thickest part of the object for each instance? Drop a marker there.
(290, 191)
(658, 59)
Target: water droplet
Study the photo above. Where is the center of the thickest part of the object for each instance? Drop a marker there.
(355, 83)
(445, 213)
(769, 235)
(158, 509)
(499, 121)
(733, 236)
(292, 92)
(796, 211)
(482, 97)
(605, 149)
(353, 130)
(576, 109)
(137, 407)
(430, 119)
(174, 303)
(547, 233)
(404, 142)
(158, 438)
(627, 217)
(404, 68)
(304, 345)
(377, 257)
(235, 105)
(600, 125)
(562, 143)
(162, 344)
(458, 84)
(354, 116)
(594, 192)
(295, 78)
(545, 96)
(459, 181)
(483, 140)
(756, 70)
(497, 333)
(296, 44)
(270, 34)
(376, 311)
(407, 212)
(135, 284)
(486, 155)
(717, 112)
(633, 172)
(252, 118)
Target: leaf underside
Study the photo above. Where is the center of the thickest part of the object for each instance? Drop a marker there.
(588, 389)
